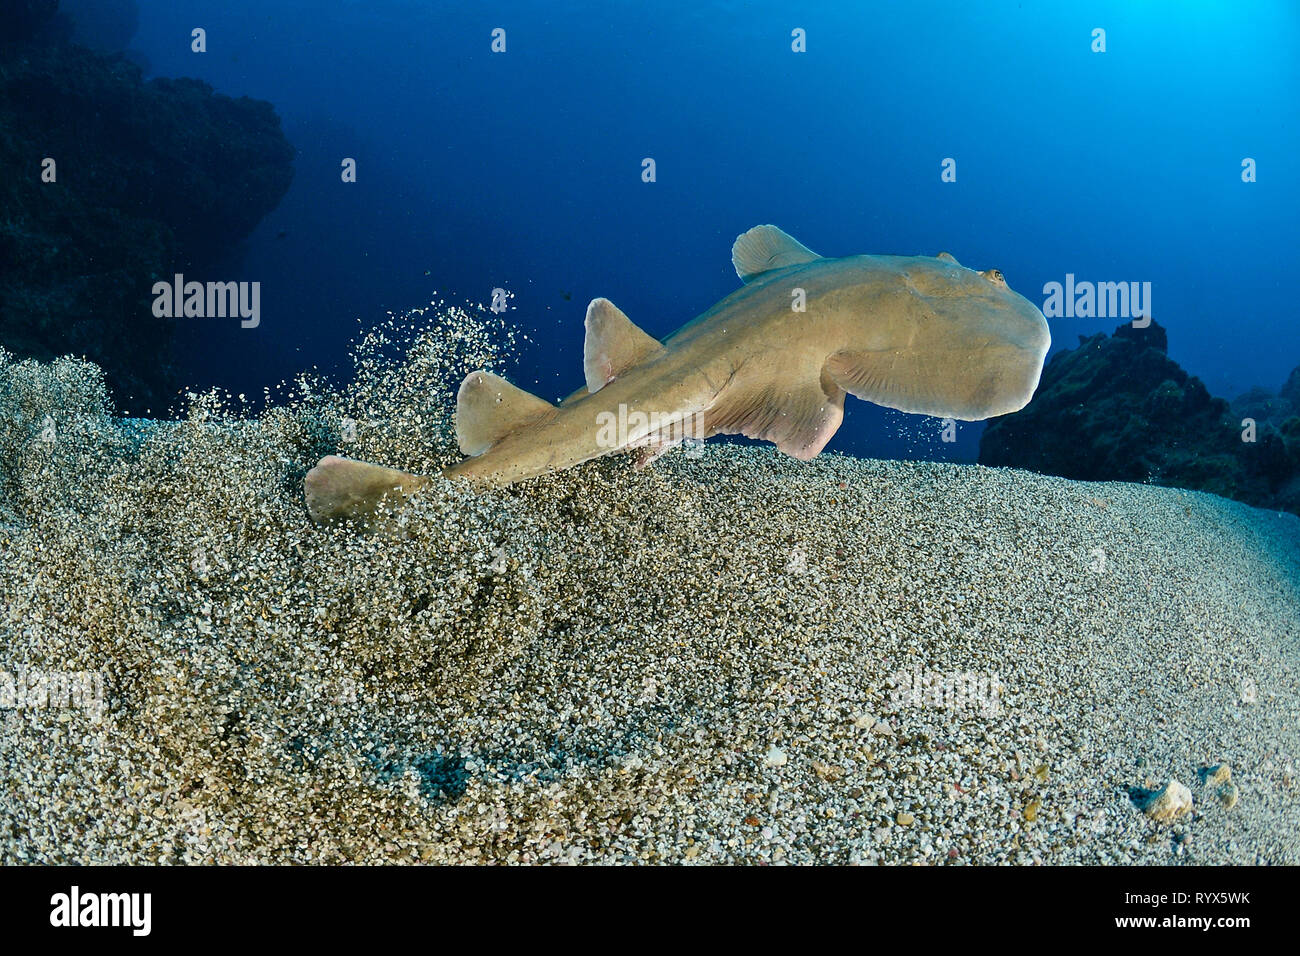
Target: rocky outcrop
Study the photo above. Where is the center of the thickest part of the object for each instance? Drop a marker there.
(25, 19)
(1117, 408)
(152, 178)
(99, 24)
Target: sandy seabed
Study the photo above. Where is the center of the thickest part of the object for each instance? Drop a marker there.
(716, 659)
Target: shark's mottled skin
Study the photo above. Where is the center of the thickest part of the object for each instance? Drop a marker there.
(916, 333)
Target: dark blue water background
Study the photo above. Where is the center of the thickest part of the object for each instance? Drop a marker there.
(522, 170)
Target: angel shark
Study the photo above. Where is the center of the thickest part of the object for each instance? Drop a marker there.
(772, 361)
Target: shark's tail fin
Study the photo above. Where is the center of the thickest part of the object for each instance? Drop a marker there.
(488, 408)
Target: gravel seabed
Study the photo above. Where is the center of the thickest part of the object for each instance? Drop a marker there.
(699, 662)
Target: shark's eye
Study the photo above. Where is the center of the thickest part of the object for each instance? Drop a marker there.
(994, 276)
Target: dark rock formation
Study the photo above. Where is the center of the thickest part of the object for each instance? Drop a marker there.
(1273, 407)
(25, 19)
(152, 179)
(1290, 390)
(100, 24)
(1117, 408)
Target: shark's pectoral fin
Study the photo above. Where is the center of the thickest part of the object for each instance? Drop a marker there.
(613, 344)
(765, 248)
(488, 408)
(917, 382)
(799, 418)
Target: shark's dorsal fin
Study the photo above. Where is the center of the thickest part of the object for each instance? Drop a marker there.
(488, 408)
(765, 248)
(799, 419)
(613, 344)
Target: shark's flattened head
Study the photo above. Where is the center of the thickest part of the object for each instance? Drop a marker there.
(949, 342)
(1001, 342)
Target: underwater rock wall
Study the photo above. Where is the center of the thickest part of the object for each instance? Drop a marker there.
(1117, 408)
(100, 24)
(24, 19)
(148, 179)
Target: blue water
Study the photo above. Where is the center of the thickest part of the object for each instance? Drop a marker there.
(522, 170)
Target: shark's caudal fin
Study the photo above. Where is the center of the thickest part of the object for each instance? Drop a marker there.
(488, 408)
(613, 344)
(766, 248)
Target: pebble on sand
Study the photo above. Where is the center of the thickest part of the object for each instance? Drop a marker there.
(1219, 773)
(1168, 803)
(1228, 795)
